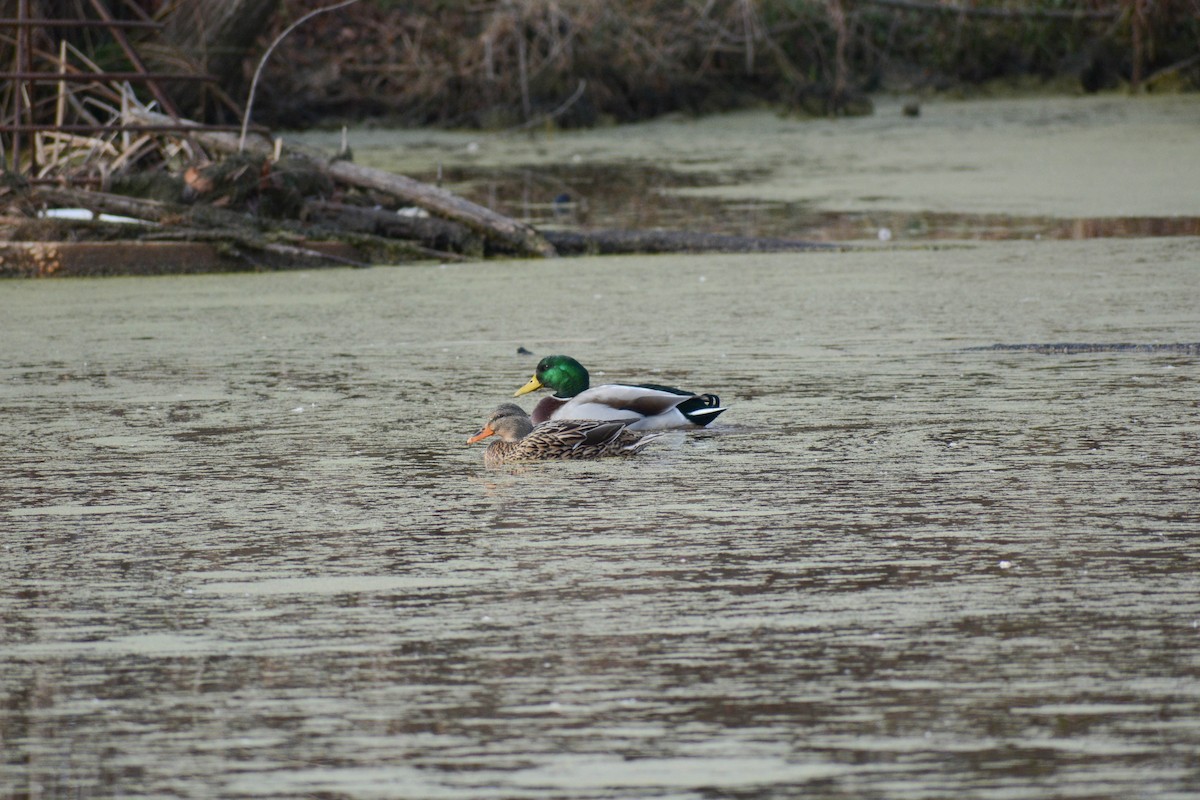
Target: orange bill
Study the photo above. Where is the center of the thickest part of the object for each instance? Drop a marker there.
(484, 432)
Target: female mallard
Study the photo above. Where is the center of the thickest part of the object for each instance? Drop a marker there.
(519, 440)
(644, 407)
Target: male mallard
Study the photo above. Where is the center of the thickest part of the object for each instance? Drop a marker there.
(644, 407)
(519, 440)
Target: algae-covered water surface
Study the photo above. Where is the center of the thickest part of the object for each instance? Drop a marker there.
(247, 552)
(1062, 167)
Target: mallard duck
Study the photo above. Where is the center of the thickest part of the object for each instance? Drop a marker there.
(644, 407)
(520, 440)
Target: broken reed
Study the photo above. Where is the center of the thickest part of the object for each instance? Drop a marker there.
(518, 62)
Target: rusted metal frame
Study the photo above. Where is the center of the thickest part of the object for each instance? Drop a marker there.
(10, 22)
(18, 103)
(163, 100)
(192, 128)
(23, 113)
(136, 9)
(101, 77)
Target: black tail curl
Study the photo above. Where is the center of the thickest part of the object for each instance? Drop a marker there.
(701, 409)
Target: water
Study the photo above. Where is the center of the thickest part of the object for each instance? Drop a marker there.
(247, 554)
(1069, 167)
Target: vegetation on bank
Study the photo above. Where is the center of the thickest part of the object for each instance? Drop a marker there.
(504, 63)
(498, 64)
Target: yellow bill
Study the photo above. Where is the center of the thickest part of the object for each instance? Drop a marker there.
(533, 385)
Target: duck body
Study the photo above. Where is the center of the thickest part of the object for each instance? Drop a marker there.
(642, 407)
(519, 440)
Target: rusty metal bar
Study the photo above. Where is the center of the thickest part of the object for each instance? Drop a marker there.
(9, 22)
(23, 62)
(164, 101)
(102, 77)
(192, 128)
(23, 114)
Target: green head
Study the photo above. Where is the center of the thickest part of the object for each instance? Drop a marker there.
(563, 374)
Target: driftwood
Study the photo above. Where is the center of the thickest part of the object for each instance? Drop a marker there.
(247, 233)
(252, 208)
(432, 232)
(192, 223)
(135, 207)
(377, 235)
(510, 233)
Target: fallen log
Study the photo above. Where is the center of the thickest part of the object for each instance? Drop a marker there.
(380, 236)
(432, 232)
(194, 223)
(388, 234)
(105, 203)
(512, 234)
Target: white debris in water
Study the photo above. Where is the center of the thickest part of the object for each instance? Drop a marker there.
(88, 214)
(1005, 564)
(885, 234)
(298, 410)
